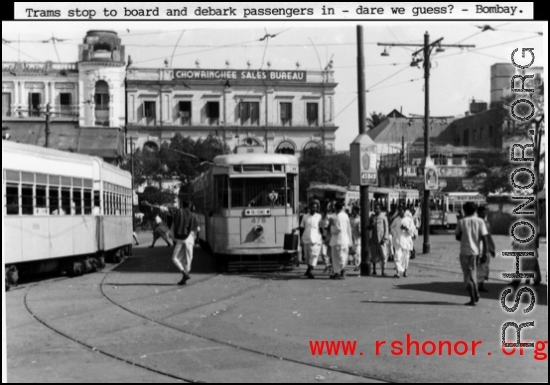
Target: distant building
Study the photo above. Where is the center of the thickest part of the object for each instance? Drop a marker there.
(278, 111)
(285, 111)
(86, 99)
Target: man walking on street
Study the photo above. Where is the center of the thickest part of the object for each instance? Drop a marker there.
(312, 238)
(184, 229)
(340, 241)
(470, 231)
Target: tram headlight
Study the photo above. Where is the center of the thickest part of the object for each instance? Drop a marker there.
(258, 230)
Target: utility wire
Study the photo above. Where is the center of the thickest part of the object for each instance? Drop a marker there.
(191, 53)
(21, 52)
(389, 77)
(176, 47)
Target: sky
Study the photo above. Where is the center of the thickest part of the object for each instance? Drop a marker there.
(457, 75)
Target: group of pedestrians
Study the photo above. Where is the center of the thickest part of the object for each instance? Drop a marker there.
(335, 237)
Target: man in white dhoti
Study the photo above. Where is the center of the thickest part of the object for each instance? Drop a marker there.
(403, 230)
(340, 241)
(312, 237)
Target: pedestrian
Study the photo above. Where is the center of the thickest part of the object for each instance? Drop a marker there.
(355, 222)
(160, 230)
(312, 237)
(303, 211)
(483, 267)
(134, 227)
(325, 232)
(470, 231)
(402, 230)
(379, 237)
(340, 241)
(184, 228)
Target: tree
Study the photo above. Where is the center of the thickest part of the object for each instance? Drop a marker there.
(324, 166)
(374, 120)
(181, 158)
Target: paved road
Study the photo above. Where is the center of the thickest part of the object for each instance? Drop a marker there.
(130, 323)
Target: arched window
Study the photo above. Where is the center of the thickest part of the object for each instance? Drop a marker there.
(101, 99)
(285, 148)
(311, 145)
(151, 146)
(251, 142)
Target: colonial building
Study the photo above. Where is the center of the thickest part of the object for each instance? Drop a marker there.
(271, 110)
(76, 107)
(276, 111)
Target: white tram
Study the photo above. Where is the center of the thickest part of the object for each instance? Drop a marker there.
(62, 211)
(245, 204)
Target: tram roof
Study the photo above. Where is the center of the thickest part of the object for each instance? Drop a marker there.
(238, 159)
(42, 151)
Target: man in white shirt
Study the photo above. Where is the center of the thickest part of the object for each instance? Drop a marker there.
(403, 230)
(470, 231)
(312, 237)
(340, 241)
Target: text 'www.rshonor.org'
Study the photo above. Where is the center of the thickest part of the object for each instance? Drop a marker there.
(412, 347)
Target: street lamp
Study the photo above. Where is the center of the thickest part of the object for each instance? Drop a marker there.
(426, 50)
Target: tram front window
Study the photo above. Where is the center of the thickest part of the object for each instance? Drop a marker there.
(260, 192)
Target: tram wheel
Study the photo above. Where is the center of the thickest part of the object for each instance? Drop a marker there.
(12, 276)
(75, 269)
(100, 262)
(117, 256)
(93, 264)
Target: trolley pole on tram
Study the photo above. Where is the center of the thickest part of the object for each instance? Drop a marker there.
(363, 190)
(47, 129)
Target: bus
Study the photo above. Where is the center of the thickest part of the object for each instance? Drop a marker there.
(446, 207)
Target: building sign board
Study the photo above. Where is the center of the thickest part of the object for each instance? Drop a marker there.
(240, 75)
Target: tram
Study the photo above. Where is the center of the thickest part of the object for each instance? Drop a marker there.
(446, 207)
(245, 204)
(385, 196)
(62, 211)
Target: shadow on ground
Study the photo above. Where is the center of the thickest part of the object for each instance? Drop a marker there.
(494, 291)
(159, 260)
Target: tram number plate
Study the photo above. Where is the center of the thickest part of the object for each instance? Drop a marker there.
(256, 212)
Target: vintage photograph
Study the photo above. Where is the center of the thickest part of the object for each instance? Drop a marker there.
(275, 201)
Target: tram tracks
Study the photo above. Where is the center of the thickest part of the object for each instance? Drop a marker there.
(103, 284)
(365, 376)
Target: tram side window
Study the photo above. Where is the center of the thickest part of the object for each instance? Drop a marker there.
(117, 200)
(77, 199)
(106, 203)
(12, 199)
(54, 200)
(65, 200)
(290, 196)
(87, 202)
(222, 192)
(41, 201)
(26, 200)
(97, 203)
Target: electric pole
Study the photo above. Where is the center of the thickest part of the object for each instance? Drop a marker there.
(363, 190)
(426, 50)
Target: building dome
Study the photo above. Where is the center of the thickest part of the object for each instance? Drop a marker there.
(101, 46)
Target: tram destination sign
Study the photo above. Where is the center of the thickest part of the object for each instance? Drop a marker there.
(241, 75)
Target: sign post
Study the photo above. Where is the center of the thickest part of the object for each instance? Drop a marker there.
(364, 174)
